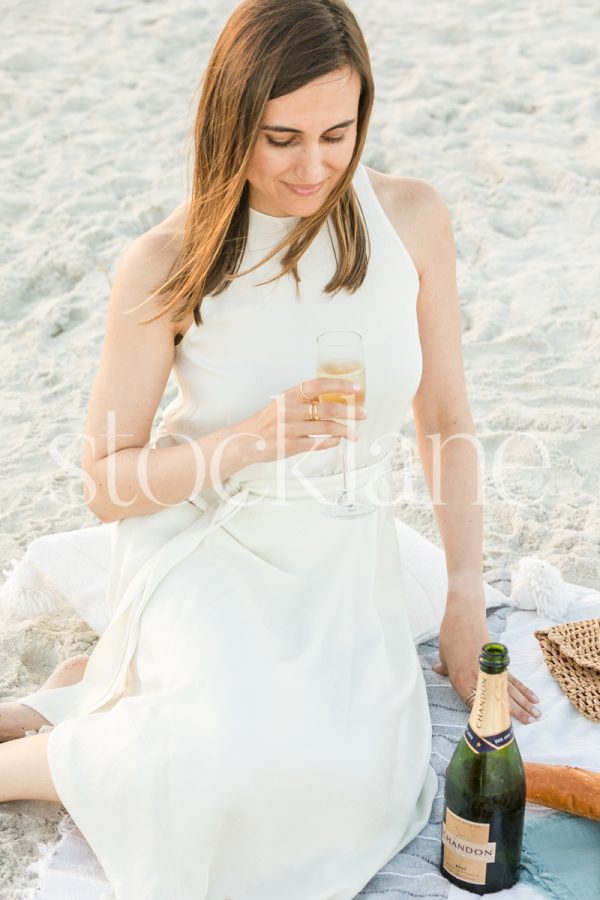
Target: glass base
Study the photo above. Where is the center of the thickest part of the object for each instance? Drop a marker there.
(347, 507)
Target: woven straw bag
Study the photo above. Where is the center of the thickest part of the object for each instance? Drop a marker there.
(572, 654)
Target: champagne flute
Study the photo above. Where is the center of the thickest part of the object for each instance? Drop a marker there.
(340, 355)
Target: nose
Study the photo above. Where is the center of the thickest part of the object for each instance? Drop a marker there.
(310, 167)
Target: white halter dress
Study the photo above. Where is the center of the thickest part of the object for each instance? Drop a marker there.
(253, 722)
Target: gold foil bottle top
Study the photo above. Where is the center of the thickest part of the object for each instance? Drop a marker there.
(490, 725)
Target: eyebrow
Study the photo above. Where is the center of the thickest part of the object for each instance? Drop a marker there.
(297, 130)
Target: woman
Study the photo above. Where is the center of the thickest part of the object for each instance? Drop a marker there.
(253, 723)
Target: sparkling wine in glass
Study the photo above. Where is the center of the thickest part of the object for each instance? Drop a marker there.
(340, 355)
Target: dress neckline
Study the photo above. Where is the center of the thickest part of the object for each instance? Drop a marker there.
(265, 231)
(265, 217)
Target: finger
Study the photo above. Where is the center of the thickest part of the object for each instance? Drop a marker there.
(335, 437)
(321, 427)
(308, 443)
(325, 444)
(523, 688)
(520, 707)
(340, 411)
(465, 688)
(440, 668)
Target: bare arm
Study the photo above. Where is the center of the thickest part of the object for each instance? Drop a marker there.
(447, 443)
(444, 426)
(123, 476)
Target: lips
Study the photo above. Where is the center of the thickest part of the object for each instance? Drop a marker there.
(305, 190)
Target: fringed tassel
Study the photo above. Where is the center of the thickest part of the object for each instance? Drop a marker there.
(531, 872)
(70, 856)
(38, 867)
(536, 585)
(28, 592)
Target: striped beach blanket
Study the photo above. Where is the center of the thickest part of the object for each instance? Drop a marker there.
(414, 872)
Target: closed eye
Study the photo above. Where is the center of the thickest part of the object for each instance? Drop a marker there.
(330, 140)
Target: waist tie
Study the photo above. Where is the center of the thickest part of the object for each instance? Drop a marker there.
(298, 487)
(103, 680)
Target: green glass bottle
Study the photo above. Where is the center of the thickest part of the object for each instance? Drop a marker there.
(485, 789)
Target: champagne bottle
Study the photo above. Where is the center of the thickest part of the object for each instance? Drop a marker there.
(485, 789)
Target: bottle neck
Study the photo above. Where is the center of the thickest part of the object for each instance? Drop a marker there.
(490, 714)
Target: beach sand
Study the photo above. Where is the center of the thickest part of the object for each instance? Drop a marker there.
(492, 105)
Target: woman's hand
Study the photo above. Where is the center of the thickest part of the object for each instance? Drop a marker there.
(463, 633)
(284, 427)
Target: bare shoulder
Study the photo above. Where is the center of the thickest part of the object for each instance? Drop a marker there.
(416, 210)
(158, 247)
(148, 261)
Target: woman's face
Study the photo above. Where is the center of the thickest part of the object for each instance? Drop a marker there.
(305, 142)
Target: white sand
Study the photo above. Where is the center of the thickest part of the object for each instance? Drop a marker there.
(495, 108)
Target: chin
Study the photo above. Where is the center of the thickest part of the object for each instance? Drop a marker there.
(307, 206)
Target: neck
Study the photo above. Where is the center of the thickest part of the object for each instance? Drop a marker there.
(490, 714)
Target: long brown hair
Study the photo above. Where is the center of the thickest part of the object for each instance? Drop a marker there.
(267, 48)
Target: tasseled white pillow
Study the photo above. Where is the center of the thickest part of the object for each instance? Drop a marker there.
(62, 570)
(537, 585)
(29, 592)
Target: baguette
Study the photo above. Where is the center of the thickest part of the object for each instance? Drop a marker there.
(568, 788)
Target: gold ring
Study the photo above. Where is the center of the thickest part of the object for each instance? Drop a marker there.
(310, 399)
(314, 413)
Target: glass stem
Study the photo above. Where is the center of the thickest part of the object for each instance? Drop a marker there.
(344, 468)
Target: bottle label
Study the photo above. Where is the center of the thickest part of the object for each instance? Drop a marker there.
(490, 715)
(479, 744)
(467, 850)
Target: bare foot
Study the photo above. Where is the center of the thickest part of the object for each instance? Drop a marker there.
(68, 672)
(17, 718)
